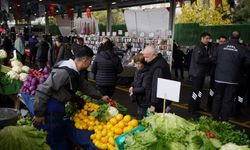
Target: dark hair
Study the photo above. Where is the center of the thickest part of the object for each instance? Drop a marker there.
(139, 58)
(107, 46)
(59, 39)
(79, 39)
(204, 34)
(84, 51)
(223, 37)
(235, 35)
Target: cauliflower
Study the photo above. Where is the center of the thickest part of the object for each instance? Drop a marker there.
(112, 112)
(25, 69)
(23, 76)
(13, 75)
(17, 69)
(3, 54)
(16, 63)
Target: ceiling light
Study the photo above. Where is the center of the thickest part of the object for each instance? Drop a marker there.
(113, 3)
(10, 7)
(18, 5)
(57, 11)
(40, 0)
(90, 6)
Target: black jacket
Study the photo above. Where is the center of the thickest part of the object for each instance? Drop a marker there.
(106, 66)
(230, 58)
(42, 51)
(200, 61)
(158, 68)
(139, 88)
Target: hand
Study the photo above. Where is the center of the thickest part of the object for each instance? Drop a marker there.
(105, 98)
(130, 94)
(38, 120)
(152, 109)
(130, 89)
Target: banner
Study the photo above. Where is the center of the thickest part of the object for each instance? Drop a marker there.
(148, 21)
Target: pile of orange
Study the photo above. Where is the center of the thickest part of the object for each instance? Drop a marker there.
(105, 134)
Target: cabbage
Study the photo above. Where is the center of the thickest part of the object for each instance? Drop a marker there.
(23, 76)
(17, 69)
(16, 63)
(25, 69)
(13, 75)
(3, 54)
(112, 112)
(232, 146)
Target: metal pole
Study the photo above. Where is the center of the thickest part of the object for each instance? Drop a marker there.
(172, 15)
(109, 17)
(46, 23)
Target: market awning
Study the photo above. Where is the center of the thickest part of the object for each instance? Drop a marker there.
(96, 4)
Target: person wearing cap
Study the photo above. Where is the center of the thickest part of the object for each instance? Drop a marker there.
(60, 87)
(229, 60)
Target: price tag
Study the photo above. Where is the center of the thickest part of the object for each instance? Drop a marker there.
(108, 33)
(103, 33)
(114, 33)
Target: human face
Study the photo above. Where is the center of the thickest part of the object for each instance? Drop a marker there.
(86, 62)
(149, 56)
(139, 65)
(222, 41)
(58, 44)
(205, 40)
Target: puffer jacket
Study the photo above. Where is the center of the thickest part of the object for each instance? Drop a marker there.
(61, 85)
(139, 88)
(106, 66)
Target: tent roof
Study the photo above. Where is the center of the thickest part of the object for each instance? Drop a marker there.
(96, 4)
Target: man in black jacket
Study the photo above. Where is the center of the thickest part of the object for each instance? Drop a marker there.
(158, 68)
(199, 67)
(229, 59)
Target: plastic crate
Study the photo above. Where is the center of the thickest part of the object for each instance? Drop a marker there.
(120, 140)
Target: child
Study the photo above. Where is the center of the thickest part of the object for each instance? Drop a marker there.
(138, 87)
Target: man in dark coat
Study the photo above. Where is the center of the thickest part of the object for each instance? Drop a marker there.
(199, 68)
(229, 59)
(158, 68)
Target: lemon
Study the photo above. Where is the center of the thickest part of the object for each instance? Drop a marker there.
(119, 117)
(121, 124)
(133, 123)
(104, 139)
(111, 141)
(118, 131)
(130, 128)
(92, 136)
(113, 121)
(104, 132)
(110, 134)
(127, 118)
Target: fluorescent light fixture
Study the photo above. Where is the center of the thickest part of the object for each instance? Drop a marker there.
(113, 3)
(90, 6)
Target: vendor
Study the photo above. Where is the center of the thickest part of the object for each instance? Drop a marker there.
(60, 87)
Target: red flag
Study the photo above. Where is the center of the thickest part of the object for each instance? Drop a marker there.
(70, 11)
(52, 10)
(88, 12)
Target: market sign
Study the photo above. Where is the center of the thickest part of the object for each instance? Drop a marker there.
(168, 89)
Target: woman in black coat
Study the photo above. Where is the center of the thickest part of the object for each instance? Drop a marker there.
(106, 66)
(138, 88)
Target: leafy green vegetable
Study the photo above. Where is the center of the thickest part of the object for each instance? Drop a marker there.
(22, 138)
(231, 146)
(24, 121)
(101, 113)
(225, 131)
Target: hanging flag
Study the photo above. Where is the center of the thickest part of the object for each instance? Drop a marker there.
(88, 12)
(94, 29)
(218, 3)
(41, 9)
(17, 5)
(79, 13)
(70, 12)
(5, 5)
(52, 10)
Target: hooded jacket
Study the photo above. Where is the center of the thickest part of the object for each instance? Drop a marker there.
(230, 59)
(61, 85)
(106, 66)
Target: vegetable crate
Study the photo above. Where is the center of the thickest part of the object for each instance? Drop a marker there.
(121, 139)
